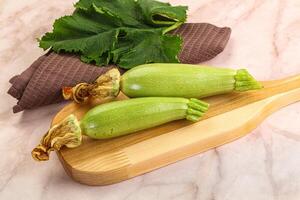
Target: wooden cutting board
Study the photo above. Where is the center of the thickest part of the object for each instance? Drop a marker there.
(231, 116)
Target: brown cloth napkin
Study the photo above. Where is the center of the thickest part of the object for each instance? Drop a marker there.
(41, 83)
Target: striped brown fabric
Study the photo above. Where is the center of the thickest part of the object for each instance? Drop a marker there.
(54, 72)
(19, 82)
(201, 42)
(41, 83)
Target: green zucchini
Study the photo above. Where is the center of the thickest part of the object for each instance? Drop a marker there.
(166, 80)
(119, 118)
(181, 80)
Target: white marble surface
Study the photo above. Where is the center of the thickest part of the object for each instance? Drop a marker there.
(263, 165)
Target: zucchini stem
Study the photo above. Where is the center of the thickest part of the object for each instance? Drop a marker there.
(66, 133)
(196, 109)
(174, 26)
(244, 81)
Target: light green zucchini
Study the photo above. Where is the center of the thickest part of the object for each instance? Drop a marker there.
(119, 118)
(165, 80)
(183, 80)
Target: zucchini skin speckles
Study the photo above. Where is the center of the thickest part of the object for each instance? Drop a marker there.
(122, 117)
(184, 80)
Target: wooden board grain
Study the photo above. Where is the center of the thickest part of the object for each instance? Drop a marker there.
(102, 162)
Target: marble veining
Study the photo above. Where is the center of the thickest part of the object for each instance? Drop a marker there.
(264, 165)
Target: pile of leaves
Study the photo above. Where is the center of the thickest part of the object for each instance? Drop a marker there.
(124, 32)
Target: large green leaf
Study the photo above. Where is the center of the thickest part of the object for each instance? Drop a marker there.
(125, 32)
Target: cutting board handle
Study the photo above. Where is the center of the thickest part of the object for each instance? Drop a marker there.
(235, 100)
(292, 81)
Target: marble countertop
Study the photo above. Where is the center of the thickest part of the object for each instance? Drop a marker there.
(264, 165)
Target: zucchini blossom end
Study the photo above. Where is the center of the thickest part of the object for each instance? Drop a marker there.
(106, 86)
(66, 133)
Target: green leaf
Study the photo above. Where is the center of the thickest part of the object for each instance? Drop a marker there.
(159, 13)
(124, 32)
(148, 46)
(82, 33)
(126, 12)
